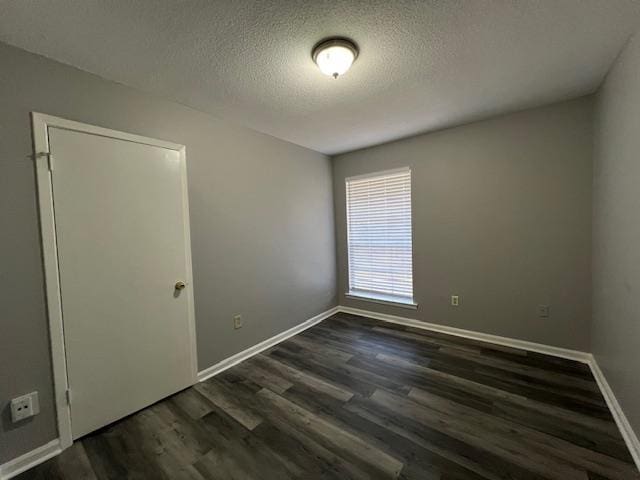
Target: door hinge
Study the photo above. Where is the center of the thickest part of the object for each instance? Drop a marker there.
(68, 396)
(49, 159)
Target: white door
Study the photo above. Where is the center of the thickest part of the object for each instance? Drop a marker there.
(121, 221)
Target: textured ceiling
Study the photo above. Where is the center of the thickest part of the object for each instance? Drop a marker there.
(423, 65)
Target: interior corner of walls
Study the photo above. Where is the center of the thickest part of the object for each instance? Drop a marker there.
(263, 345)
(614, 326)
(624, 425)
(466, 158)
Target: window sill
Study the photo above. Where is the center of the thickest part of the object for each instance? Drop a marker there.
(391, 300)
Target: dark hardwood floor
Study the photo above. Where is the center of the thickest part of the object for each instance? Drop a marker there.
(362, 399)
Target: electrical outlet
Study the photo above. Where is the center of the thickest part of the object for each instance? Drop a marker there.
(237, 321)
(543, 311)
(455, 300)
(24, 407)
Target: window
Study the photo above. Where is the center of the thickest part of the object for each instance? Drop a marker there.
(379, 237)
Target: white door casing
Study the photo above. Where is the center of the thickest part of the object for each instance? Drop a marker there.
(115, 234)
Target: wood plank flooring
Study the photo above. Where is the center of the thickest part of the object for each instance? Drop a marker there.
(355, 398)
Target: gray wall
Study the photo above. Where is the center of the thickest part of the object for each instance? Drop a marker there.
(501, 216)
(261, 220)
(616, 231)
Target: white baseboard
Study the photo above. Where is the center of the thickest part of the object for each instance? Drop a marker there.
(30, 459)
(41, 454)
(53, 448)
(630, 437)
(576, 355)
(250, 352)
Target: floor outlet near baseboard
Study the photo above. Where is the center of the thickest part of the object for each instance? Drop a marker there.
(237, 321)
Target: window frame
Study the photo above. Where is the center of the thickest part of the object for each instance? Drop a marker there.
(368, 295)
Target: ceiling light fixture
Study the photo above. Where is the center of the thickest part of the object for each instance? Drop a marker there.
(334, 56)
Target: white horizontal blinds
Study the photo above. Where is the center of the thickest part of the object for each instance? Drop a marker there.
(379, 233)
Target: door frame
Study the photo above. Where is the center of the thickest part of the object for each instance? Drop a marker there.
(44, 163)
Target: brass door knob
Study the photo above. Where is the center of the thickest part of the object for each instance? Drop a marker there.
(180, 285)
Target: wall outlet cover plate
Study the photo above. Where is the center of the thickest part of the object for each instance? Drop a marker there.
(24, 406)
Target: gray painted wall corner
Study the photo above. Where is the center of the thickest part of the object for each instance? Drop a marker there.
(254, 242)
(501, 217)
(616, 231)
